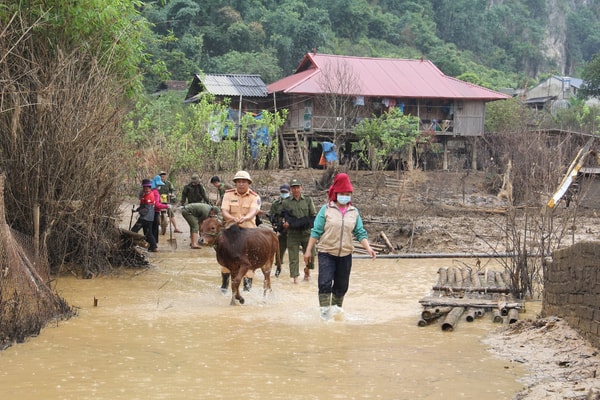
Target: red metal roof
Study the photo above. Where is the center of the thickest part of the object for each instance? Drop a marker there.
(377, 77)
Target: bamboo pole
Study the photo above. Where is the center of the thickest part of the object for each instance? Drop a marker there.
(451, 276)
(452, 318)
(465, 302)
(442, 276)
(496, 317)
(513, 315)
(431, 313)
(36, 230)
(470, 314)
(449, 288)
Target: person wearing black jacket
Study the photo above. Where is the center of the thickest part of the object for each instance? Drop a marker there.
(298, 215)
(194, 192)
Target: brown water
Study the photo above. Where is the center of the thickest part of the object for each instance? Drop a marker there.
(168, 333)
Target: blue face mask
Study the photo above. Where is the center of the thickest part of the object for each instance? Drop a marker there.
(343, 199)
(284, 195)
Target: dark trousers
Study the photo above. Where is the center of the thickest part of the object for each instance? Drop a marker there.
(147, 227)
(156, 225)
(334, 274)
(282, 244)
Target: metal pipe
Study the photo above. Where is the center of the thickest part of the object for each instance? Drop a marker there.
(442, 255)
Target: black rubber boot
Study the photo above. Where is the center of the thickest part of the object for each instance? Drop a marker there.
(247, 284)
(225, 281)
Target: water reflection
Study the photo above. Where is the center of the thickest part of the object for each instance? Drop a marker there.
(168, 333)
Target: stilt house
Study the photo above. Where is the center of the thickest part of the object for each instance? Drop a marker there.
(329, 94)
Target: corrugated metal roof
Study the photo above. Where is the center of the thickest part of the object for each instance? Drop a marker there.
(539, 99)
(378, 77)
(228, 85)
(575, 82)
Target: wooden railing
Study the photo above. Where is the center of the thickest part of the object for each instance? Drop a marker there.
(463, 125)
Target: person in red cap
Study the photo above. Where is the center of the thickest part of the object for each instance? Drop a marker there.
(335, 225)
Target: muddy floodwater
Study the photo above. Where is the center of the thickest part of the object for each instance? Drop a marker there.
(167, 332)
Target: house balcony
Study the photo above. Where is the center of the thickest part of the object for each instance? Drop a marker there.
(318, 125)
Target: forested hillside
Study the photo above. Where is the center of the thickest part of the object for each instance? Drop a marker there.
(494, 43)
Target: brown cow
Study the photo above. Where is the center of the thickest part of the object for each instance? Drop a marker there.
(240, 250)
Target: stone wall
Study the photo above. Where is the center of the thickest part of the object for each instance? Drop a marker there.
(572, 288)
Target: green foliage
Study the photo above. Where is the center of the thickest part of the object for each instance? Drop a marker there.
(112, 28)
(507, 116)
(499, 42)
(381, 137)
(349, 18)
(234, 62)
(195, 137)
(578, 117)
(591, 78)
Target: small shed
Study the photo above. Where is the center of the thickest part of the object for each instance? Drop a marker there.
(247, 93)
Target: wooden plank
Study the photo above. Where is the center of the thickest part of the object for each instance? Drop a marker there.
(387, 241)
(571, 174)
(474, 289)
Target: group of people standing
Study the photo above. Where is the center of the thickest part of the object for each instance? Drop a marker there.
(326, 235)
(158, 196)
(151, 205)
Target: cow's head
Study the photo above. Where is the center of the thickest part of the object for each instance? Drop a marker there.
(209, 230)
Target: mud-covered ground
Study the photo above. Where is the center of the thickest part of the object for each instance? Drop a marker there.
(429, 212)
(562, 364)
(448, 212)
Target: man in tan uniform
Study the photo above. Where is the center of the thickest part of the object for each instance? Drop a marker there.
(240, 206)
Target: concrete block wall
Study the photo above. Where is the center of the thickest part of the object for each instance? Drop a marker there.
(572, 288)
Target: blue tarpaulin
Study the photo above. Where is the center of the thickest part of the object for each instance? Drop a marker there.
(259, 136)
(329, 151)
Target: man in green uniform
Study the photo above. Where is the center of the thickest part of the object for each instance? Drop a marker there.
(195, 214)
(298, 215)
(221, 187)
(276, 218)
(194, 192)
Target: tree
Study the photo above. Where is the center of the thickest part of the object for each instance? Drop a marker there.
(350, 18)
(591, 78)
(385, 136)
(67, 69)
(339, 85)
(234, 62)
